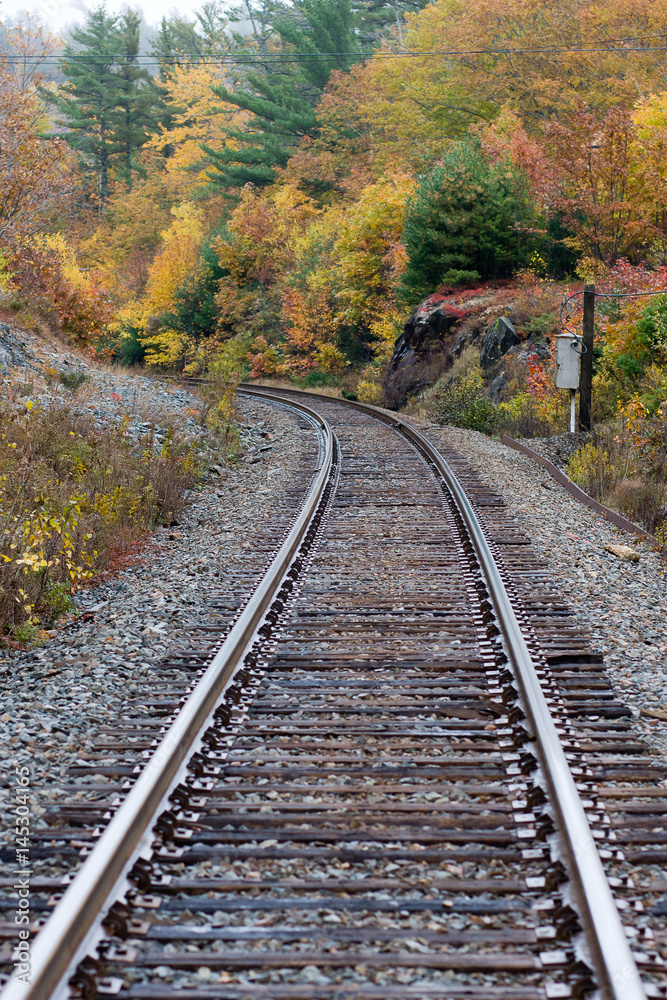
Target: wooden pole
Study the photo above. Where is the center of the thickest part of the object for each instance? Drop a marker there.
(586, 379)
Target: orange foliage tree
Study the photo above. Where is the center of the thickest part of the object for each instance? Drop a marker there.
(459, 63)
(601, 198)
(35, 175)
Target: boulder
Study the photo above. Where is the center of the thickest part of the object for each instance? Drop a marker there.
(622, 552)
(503, 374)
(498, 340)
(427, 325)
(11, 353)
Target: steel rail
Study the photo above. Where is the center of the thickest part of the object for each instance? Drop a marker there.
(73, 928)
(615, 966)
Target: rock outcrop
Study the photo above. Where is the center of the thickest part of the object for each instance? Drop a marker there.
(11, 349)
(498, 340)
(442, 328)
(425, 330)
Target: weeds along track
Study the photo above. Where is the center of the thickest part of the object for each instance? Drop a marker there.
(409, 777)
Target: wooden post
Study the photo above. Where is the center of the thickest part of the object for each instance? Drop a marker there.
(586, 380)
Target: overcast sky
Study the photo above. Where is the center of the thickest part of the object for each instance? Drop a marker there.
(58, 14)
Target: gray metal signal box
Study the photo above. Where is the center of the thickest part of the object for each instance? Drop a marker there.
(568, 361)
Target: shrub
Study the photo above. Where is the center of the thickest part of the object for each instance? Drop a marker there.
(367, 392)
(73, 497)
(467, 216)
(521, 416)
(316, 379)
(55, 602)
(591, 468)
(644, 502)
(459, 400)
(218, 409)
(47, 280)
(72, 380)
(129, 347)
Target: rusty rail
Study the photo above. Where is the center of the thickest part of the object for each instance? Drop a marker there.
(610, 515)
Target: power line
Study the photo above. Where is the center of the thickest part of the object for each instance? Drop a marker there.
(279, 57)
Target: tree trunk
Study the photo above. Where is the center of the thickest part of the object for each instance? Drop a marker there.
(104, 174)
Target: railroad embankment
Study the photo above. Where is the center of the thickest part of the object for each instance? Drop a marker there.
(93, 459)
(83, 674)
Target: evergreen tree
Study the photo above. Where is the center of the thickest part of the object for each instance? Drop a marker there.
(281, 102)
(378, 17)
(257, 16)
(325, 36)
(469, 220)
(89, 98)
(109, 103)
(136, 115)
(178, 40)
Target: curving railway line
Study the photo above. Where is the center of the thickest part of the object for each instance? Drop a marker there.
(388, 766)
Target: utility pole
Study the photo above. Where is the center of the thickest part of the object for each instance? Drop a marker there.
(586, 383)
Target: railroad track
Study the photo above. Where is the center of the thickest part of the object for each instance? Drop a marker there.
(402, 775)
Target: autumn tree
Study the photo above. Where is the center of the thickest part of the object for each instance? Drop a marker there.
(195, 118)
(468, 61)
(649, 155)
(595, 187)
(368, 259)
(35, 170)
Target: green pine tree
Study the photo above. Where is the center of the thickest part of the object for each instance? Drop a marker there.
(281, 101)
(137, 114)
(377, 18)
(89, 98)
(181, 41)
(469, 219)
(109, 104)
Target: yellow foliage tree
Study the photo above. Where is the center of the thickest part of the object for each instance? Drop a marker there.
(123, 242)
(175, 260)
(649, 157)
(369, 253)
(302, 279)
(197, 120)
(260, 250)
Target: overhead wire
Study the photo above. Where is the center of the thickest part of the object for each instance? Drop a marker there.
(600, 295)
(251, 57)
